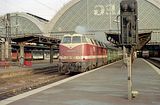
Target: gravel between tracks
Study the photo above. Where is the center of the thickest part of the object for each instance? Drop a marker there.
(13, 85)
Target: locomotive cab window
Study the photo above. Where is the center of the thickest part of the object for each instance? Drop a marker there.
(92, 41)
(96, 42)
(76, 39)
(66, 39)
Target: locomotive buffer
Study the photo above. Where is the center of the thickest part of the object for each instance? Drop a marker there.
(129, 36)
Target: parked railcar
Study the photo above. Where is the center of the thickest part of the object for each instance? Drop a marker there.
(79, 54)
(28, 55)
(14, 55)
(34, 55)
(38, 54)
(145, 54)
(46, 54)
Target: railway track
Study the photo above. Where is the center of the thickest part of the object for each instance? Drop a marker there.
(13, 85)
(155, 62)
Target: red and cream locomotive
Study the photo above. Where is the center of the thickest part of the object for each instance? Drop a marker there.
(79, 53)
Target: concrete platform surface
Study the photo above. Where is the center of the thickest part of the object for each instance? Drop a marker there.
(105, 86)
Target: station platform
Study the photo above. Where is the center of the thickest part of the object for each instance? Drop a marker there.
(106, 85)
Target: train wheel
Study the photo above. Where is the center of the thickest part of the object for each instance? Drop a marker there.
(94, 66)
(68, 72)
(87, 69)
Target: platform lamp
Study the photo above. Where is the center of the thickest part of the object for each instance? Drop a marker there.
(129, 35)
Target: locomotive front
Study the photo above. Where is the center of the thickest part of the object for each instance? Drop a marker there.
(71, 53)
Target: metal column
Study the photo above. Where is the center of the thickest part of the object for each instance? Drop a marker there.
(124, 55)
(2, 51)
(51, 53)
(21, 57)
(8, 38)
(7, 51)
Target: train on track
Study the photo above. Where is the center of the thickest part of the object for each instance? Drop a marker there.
(145, 54)
(78, 53)
(34, 55)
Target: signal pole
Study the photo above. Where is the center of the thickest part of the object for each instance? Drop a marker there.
(129, 36)
(129, 67)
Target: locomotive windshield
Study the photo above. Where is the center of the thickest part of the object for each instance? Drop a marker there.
(76, 39)
(67, 39)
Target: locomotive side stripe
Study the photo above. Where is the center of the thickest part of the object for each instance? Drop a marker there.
(82, 57)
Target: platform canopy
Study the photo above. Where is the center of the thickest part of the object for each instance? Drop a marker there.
(37, 39)
(101, 16)
(143, 39)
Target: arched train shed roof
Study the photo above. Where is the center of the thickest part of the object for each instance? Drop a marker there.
(100, 15)
(24, 24)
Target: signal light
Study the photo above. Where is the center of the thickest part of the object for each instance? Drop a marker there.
(129, 22)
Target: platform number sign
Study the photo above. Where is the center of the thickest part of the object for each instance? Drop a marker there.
(129, 22)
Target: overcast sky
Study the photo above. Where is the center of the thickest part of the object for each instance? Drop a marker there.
(43, 8)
